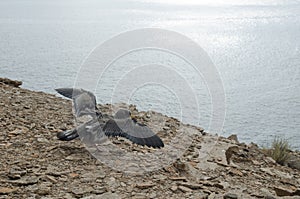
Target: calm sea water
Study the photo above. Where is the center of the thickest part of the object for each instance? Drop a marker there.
(255, 47)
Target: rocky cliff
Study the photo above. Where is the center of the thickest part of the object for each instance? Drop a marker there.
(34, 164)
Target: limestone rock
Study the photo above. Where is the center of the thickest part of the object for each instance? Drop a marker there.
(145, 185)
(6, 190)
(107, 195)
(230, 196)
(191, 185)
(282, 191)
(234, 138)
(184, 189)
(10, 82)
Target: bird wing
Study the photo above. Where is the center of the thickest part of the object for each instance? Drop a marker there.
(85, 104)
(84, 101)
(135, 132)
(70, 92)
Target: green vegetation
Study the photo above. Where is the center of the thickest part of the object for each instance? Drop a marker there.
(280, 150)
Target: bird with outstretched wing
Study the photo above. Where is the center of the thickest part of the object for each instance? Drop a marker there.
(101, 126)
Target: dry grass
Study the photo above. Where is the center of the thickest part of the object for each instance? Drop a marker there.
(280, 150)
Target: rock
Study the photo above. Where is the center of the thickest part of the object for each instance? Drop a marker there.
(123, 184)
(107, 195)
(212, 196)
(43, 140)
(10, 82)
(256, 162)
(82, 190)
(139, 196)
(88, 177)
(230, 196)
(174, 188)
(218, 185)
(200, 195)
(229, 152)
(73, 157)
(112, 183)
(43, 190)
(266, 192)
(100, 174)
(225, 185)
(145, 185)
(68, 196)
(179, 178)
(235, 172)
(6, 190)
(93, 196)
(253, 146)
(222, 164)
(51, 178)
(268, 171)
(234, 138)
(269, 197)
(25, 181)
(282, 175)
(297, 192)
(270, 160)
(153, 195)
(180, 165)
(73, 175)
(16, 132)
(212, 184)
(15, 174)
(282, 191)
(160, 177)
(191, 185)
(294, 162)
(184, 189)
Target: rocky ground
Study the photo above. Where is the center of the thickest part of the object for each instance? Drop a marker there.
(34, 164)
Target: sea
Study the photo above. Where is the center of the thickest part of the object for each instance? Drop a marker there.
(253, 47)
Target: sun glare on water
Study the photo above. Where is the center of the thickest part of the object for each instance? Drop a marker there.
(214, 2)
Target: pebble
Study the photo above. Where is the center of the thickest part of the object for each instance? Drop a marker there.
(153, 195)
(82, 190)
(267, 170)
(184, 189)
(51, 178)
(99, 189)
(180, 178)
(211, 196)
(191, 185)
(230, 196)
(234, 138)
(6, 190)
(282, 191)
(174, 188)
(25, 181)
(145, 185)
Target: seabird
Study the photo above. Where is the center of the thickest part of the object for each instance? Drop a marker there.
(101, 126)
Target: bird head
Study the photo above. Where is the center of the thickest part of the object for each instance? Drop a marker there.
(123, 114)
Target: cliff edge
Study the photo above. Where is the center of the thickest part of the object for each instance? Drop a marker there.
(34, 164)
